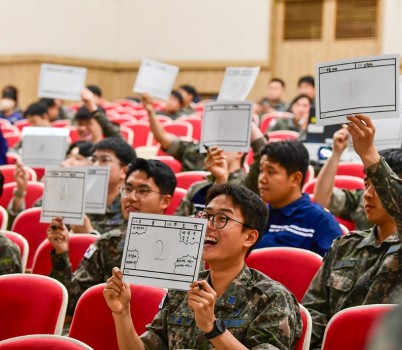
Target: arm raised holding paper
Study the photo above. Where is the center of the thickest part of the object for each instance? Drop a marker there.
(187, 152)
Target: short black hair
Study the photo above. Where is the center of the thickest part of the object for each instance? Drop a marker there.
(177, 95)
(10, 92)
(83, 113)
(162, 175)
(48, 102)
(297, 98)
(277, 80)
(308, 79)
(120, 147)
(36, 109)
(290, 154)
(190, 90)
(96, 90)
(250, 204)
(84, 148)
(393, 157)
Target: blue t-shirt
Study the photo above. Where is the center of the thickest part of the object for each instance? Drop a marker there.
(301, 224)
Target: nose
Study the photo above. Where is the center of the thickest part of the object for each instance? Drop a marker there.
(369, 192)
(262, 178)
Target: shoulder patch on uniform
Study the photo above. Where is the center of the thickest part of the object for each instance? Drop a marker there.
(90, 251)
(344, 263)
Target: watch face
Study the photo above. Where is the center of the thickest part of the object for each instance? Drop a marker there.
(220, 325)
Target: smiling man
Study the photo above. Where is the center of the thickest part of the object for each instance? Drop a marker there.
(230, 306)
(148, 188)
(365, 266)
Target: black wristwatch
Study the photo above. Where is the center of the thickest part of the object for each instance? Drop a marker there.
(219, 328)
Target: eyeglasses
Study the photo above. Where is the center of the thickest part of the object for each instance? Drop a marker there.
(103, 160)
(219, 220)
(140, 192)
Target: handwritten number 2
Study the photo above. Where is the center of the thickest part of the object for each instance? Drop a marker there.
(159, 254)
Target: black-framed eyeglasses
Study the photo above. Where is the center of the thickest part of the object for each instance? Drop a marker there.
(140, 192)
(219, 220)
(104, 160)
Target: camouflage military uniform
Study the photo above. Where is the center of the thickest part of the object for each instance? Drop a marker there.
(188, 153)
(288, 124)
(258, 311)
(10, 258)
(348, 205)
(108, 128)
(95, 267)
(389, 188)
(358, 270)
(199, 189)
(110, 220)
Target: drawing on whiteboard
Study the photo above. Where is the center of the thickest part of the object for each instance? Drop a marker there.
(163, 251)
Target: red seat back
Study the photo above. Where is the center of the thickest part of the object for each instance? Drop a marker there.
(31, 304)
(34, 191)
(78, 244)
(293, 267)
(93, 321)
(28, 225)
(179, 194)
(349, 329)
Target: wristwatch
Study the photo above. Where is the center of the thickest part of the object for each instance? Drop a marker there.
(219, 328)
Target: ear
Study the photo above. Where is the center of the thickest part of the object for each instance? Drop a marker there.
(251, 238)
(123, 172)
(297, 178)
(166, 200)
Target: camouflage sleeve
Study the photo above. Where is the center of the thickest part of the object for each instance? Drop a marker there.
(88, 274)
(251, 180)
(279, 124)
(344, 202)
(316, 300)
(389, 188)
(187, 153)
(186, 207)
(108, 128)
(10, 258)
(156, 335)
(278, 325)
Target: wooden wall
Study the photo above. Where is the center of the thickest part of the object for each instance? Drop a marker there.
(117, 79)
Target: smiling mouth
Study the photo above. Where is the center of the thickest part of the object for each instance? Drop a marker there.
(210, 241)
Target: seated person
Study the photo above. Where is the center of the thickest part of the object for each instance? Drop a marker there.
(224, 167)
(347, 204)
(97, 91)
(53, 108)
(273, 101)
(78, 154)
(9, 105)
(148, 188)
(92, 123)
(294, 221)
(189, 94)
(300, 108)
(174, 105)
(363, 267)
(187, 152)
(117, 154)
(230, 306)
(306, 86)
(10, 256)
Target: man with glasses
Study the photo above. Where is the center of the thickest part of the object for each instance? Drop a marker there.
(115, 153)
(148, 188)
(230, 306)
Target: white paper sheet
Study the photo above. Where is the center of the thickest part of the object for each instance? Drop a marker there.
(42, 147)
(227, 125)
(155, 78)
(96, 188)
(64, 82)
(365, 85)
(162, 250)
(237, 83)
(64, 195)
